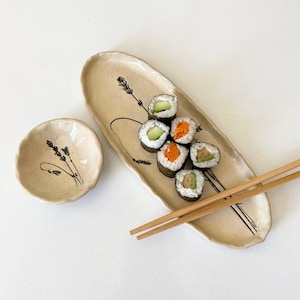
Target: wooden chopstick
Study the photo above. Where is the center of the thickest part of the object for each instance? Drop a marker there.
(218, 201)
(219, 205)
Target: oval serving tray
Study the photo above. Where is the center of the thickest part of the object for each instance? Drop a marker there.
(119, 117)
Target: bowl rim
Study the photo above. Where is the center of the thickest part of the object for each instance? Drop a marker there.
(72, 197)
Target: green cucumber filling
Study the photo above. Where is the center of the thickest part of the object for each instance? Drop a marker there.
(204, 155)
(161, 106)
(189, 181)
(154, 133)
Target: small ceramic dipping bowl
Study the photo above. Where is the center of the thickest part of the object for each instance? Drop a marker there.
(59, 160)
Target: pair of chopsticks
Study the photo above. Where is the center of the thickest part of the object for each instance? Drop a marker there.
(221, 200)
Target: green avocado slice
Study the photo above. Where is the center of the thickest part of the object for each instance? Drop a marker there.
(204, 155)
(189, 181)
(161, 106)
(154, 133)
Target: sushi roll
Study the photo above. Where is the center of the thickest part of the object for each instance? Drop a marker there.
(153, 134)
(189, 184)
(204, 155)
(163, 107)
(183, 130)
(171, 158)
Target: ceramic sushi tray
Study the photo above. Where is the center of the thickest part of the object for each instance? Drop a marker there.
(120, 113)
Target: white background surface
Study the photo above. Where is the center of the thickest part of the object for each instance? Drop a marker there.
(238, 60)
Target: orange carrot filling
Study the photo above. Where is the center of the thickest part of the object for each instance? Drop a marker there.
(172, 152)
(182, 128)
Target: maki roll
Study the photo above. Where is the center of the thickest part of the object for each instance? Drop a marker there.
(189, 184)
(163, 107)
(171, 158)
(183, 130)
(204, 155)
(153, 135)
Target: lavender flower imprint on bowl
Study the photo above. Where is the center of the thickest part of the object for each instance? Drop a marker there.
(70, 168)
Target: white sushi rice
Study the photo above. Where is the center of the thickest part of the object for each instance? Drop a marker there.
(189, 192)
(175, 165)
(205, 164)
(143, 136)
(165, 113)
(186, 139)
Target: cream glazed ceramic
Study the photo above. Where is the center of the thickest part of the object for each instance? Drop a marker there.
(118, 88)
(59, 160)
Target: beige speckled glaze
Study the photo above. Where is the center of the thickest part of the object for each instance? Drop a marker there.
(119, 118)
(59, 175)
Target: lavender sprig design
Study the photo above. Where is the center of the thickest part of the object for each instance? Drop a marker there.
(129, 90)
(70, 168)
